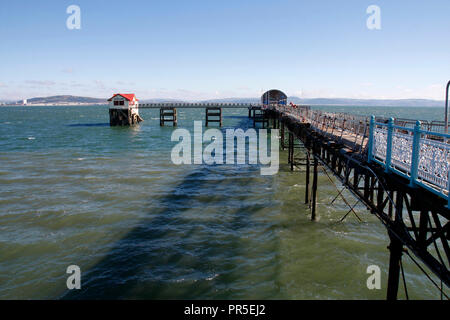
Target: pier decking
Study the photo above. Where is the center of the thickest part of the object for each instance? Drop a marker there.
(185, 105)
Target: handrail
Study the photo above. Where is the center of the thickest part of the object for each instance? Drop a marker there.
(446, 107)
(413, 153)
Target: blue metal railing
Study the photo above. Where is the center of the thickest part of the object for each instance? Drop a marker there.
(419, 155)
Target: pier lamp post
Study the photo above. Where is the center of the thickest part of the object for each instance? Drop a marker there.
(446, 108)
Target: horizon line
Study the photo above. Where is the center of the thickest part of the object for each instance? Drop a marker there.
(228, 98)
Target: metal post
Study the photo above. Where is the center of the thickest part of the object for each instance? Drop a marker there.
(389, 145)
(448, 188)
(307, 178)
(371, 138)
(314, 216)
(415, 154)
(291, 150)
(175, 119)
(396, 249)
(446, 107)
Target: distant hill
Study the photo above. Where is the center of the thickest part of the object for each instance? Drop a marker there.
(161, 101)
(233, 100)
(65, 100)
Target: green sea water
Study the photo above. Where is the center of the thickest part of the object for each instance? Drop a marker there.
(75, 191)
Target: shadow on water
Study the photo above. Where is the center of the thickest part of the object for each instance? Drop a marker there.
(235, 117)
(89, 125)
(189, 245)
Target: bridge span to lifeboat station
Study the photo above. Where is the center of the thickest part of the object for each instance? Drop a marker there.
(213, 110)
(398, 168)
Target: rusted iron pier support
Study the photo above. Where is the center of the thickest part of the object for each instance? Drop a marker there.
(252, 111)
(314, 214)
(395, 257)
(291, 150)
(299, 158)
(260, 116)
(275, 122)
(124, 117)
(396, 250)
(213, 115)
(168, 114)
(307, 177)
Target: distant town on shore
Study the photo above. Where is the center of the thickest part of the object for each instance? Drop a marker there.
(62, 100)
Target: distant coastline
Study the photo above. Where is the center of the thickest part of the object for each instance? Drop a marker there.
(68, 100)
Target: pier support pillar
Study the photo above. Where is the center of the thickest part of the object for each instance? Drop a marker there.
(282, 136)
(314, 215)
(260, 116)
(213, 115)
(168, 114)
(275, 122)
(396, 250)
(307, 178)
(124, 117)
(291, 151)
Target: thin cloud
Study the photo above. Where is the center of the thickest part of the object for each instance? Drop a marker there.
(99, 84)
(67, 70)
(41, 82)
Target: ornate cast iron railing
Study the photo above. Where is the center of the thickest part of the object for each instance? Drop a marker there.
(419, 155)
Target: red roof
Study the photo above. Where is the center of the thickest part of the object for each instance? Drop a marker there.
(127, 96)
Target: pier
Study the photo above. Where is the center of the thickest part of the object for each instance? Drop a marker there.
(398, 168)
(400, 173)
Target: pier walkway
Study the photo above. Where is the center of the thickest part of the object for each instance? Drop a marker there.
(184, 105)
(213, 111)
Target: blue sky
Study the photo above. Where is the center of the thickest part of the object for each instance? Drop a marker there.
(194, 49)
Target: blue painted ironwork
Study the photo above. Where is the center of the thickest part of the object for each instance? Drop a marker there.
(370, 147)
(390, 128)
(415, 154)
(418, 155)
(446, 107)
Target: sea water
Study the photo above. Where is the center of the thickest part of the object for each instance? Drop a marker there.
(75, 191)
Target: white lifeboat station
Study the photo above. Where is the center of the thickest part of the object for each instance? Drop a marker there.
(124, 109)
